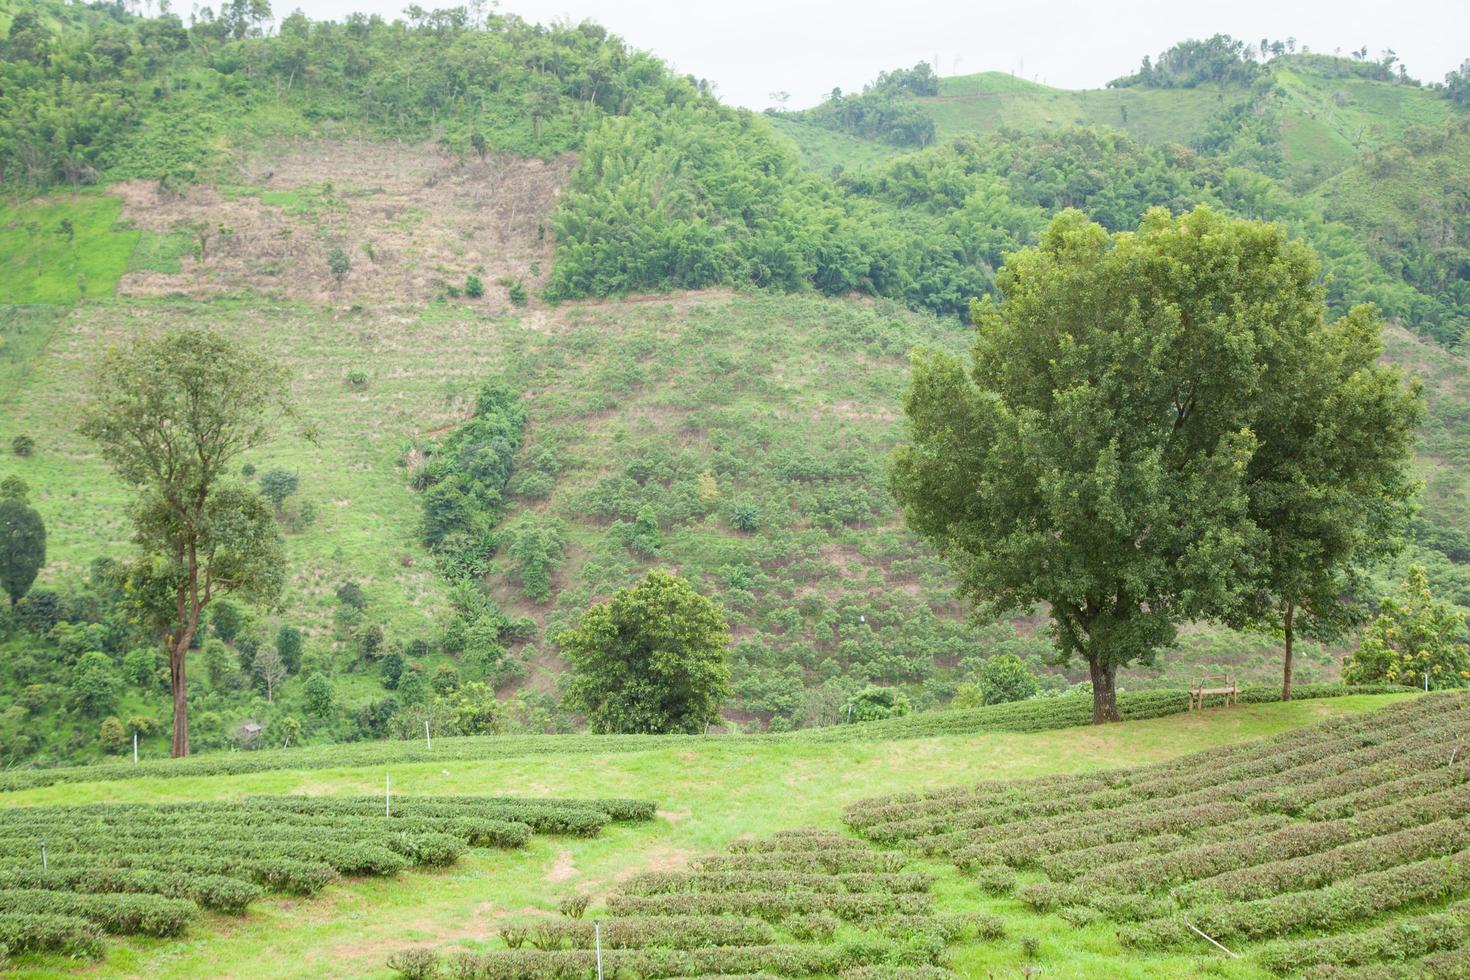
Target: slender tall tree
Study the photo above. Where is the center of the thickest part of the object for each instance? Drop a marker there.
(1330, 483)
(171, 413)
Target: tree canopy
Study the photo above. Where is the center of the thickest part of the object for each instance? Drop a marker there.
(22, 547)
(651, 659)
(171, 412)
(1098, 454)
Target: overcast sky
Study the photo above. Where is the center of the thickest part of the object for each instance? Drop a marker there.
(752, 48)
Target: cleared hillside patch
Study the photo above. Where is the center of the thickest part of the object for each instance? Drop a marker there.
(414, 222)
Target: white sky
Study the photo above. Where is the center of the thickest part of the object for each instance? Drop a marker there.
(752, 48)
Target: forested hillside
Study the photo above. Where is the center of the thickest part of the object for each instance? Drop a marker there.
(687, 324)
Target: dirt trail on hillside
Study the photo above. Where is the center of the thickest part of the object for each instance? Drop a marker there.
(412, 220)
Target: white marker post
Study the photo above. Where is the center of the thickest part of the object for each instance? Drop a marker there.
(45, 866)
(597, 944)
(427, 742)
(135, 748)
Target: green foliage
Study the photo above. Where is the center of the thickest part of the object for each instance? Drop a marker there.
(1414, 635)
(95, 685)
(171, 413)
(535, 546)
(1002, 678)
(220, 664)
(338, 263)
(745, 516)
(74, 116)
(351, 595)
(650, 659)
(885, 110)
(392, 670)
(464, 482)
(1457, 85)
(228, 619)
(112, 736)
(473, 287)
(1329, 482)
(701, 195)
(320, 699)
(22, 547)
(277, 484)
(1094, 375)
(23, 446)
(288, 645)
(875, 704)
(1220, 59)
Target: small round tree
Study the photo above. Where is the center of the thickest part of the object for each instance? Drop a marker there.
(1005, 677)
(22, 547)
(650, 659)
(321, 700)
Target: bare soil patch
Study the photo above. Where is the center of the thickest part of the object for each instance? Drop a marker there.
(412, 219)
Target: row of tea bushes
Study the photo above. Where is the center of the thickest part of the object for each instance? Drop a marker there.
(796, 904)
(1341, 849)
(141, 869)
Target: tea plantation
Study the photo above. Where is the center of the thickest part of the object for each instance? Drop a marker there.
(69, 874)
(1344, 845)
(655, 875)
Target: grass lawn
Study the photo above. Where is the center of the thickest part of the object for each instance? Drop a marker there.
(707, 796)
(63, 248)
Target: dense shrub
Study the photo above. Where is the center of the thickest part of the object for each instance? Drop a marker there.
(29, 932)
(122, 914)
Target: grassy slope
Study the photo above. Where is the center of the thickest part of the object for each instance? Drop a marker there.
(971, 105)
(722, 792)
(1443, 461)
(986, 102)
(717, 382)
(1329, 122)
(47, 264)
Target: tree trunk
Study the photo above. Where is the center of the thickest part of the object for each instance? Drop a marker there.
(1287, 622)
(180, 687)
(1104, 691)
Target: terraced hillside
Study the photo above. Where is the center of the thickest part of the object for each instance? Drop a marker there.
(1344, 846)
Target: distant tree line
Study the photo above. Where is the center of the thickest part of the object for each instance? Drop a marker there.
(884, 110)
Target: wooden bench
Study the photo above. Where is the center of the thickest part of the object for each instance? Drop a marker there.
(1229, 690)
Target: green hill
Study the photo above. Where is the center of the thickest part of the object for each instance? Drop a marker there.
(709, 340)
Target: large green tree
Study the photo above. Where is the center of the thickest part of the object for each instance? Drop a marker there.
(1097, 455)
(652, 658)
(171, 413)
(1330, 482)
(22, 547)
